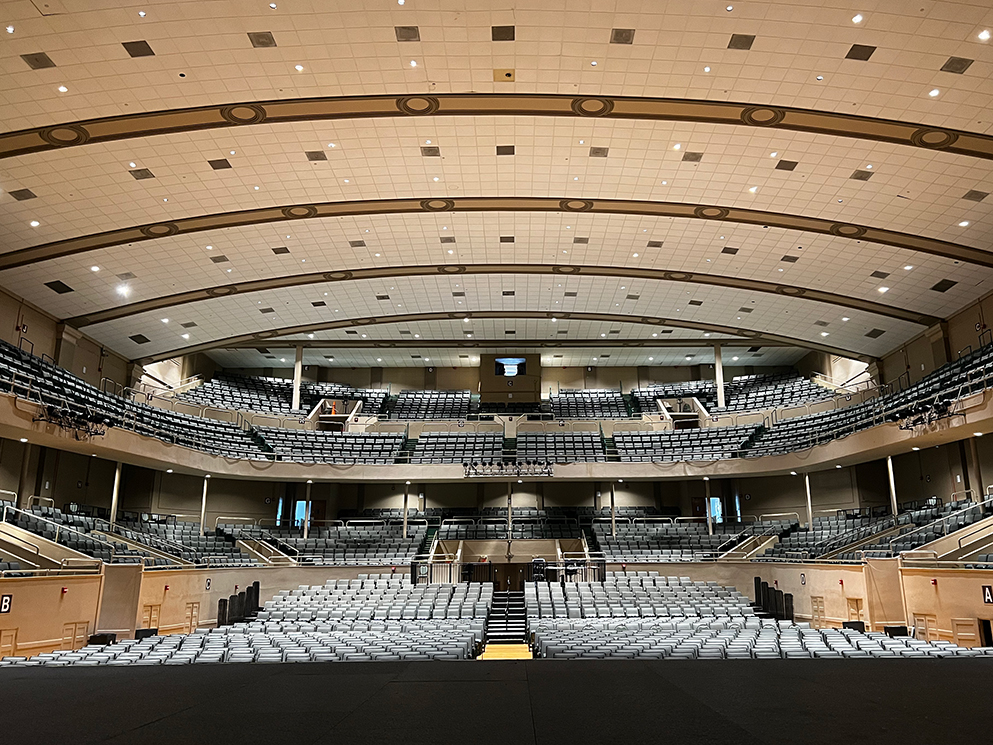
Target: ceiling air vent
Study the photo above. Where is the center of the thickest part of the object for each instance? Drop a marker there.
(958, 65)
(503, 33)
(59, 286)
(219, 259)
(280, 250)
(220, 164)
(267, 310)
(262, 39)
(944, 285)
(504, 149)
(879, 275)
(315, 156)
(786, 165)
(139, 339)
(655, 244)
(692, 157)
(38, 60)
(189, 325)
(382, 297)
(407, 33)
(875, 333)
(23, 194)
(580, 240)
(506, 239)
(728, 250)
(140, 174)
(741, 41)
(861, 176)
(448, 239)
(572, 294)
(599, 152)
(622, 36)
(138, 48)
(972, 195)
(431, 151)
(860, 52)
(696, 302)
(357, 244)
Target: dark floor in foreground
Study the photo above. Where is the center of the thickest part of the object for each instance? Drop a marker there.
(931, 702)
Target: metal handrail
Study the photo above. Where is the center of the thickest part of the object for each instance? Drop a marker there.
(59, 527)
(780, 514)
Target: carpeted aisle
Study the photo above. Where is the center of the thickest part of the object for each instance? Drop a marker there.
(815, 702)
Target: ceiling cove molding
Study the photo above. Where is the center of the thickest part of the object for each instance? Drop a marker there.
(352, 323)
(429, 270)
(289, 213)
(504, 344)
(130, 126)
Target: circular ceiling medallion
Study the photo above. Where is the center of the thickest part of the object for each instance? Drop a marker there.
(566, 269)
(65, 135)
(933, 138)
(576, 205)
(762, 116)
(418, 105)
(264, 334)
(160, 231)
(437, 205)
(244, 113)
(337, 276)
(452, 269)
(788, 290)
(678, 276)
(747, 332)
(592, 106)
(222, 291)
(847, 231)
(300, 211)
(712, 213)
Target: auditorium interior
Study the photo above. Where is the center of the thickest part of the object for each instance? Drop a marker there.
(448, 339)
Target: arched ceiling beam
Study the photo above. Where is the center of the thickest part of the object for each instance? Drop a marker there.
(72, 134)
(393, 272)
(154, 231)
(351, 323)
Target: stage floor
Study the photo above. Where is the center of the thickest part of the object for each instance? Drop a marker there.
(813, 702)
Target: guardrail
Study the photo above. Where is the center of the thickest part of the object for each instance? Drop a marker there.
(982, 506)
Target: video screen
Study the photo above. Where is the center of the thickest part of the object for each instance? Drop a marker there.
(511, 367)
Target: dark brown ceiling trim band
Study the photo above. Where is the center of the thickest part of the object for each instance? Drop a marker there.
(351, 323)
(73, 134)
(74, 246)
(502, 343)
(394, 272)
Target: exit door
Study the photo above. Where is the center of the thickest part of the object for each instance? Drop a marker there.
(817, 612)
(927, 627)
(74, 635)
(150, 616)
(8, 642)
(192, 617)
(508, 577)
(855, 612)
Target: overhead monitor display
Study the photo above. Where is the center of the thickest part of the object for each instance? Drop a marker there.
(511, 367)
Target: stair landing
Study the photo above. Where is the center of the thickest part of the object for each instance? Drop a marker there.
(506, 652)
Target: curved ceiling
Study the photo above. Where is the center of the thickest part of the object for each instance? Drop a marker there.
(761, 157)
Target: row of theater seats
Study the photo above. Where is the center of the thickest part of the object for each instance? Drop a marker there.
(583, 515)
(456, 447)
(679, 541)
(362, 545)
(705, 443)
(589, 404)
(823, 536)
(497, 530)
(741, 393)
(309, 446)
(561, 447)
(275, 395)
(11, 569)
(185, 541)
(87, 535)
(732, 639)
(432, 405)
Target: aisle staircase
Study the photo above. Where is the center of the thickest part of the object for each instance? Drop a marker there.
(507, 629)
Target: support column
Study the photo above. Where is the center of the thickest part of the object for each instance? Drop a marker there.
(510, 509)
(810, 507)
(23, 480)
(203, 505)
(710, 517)
(613, 512)
(719, 374)
(115, 495)
(306, 513)
(406, 492)
(977, 470)
(297, 376)
(889, 473)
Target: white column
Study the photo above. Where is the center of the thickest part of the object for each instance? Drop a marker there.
(306, 514)
(613, 512)
(297, 376)
(810, 507)
(115, 495)
(889, 472)
(406, 492)
(719, 373)
(203, 505)
(510, 509)
(706, 501)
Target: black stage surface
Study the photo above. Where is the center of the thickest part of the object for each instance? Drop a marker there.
(731, 702)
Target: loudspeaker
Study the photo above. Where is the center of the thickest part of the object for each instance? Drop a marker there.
(104, 638)
(854, 625)
(145, 633)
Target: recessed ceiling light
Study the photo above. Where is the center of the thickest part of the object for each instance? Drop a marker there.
(869, 167)
(166, 199)
(664, 183)
(651, 359)
(24, 439)
(754, 189)
(427, 359)
(123, 290)
(729, 8)
(272, 5)
(331, 144)
(379, 359)
(933, 92)
(635, 255)
(908, 267)
(435, 178)
(706, 69)
(256, 188)
(820, 77)
(232, 152)
(915, 449)
(133, 164)
(593, 63)
(575, 178)
(677, 146)
(689, 357)
(417, 336)
(165, 320)
(377, 255)
(94, 269)
(857, 18)
(35, 223)
(63, 89)
(792, 473)
(282, 359)
(964, 224)
(845, 318)
(10, 30)
(977, 434)
(229, 271)
(413, 63)
(400, 2)
(773, 155)
(347, 181)
(884, 289)
(298, 68)
(186, 336)
(838, 466)
(654, 336)
(450, 251)
(984, 35)
(825, 333)
(734, 359)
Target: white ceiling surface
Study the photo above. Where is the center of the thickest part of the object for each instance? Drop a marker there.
(647, 357)
(89, 189)
(240, 314)
(349, 48)
(495, 329)
(180, 263)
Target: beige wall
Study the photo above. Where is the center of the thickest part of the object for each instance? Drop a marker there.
(40, 609)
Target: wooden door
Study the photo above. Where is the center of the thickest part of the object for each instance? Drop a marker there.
(926, 626)
(75, 635)
(817, 612)
(150, 616)
(192, 617)
(965, 632)
(855, 612)
(8, 642)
